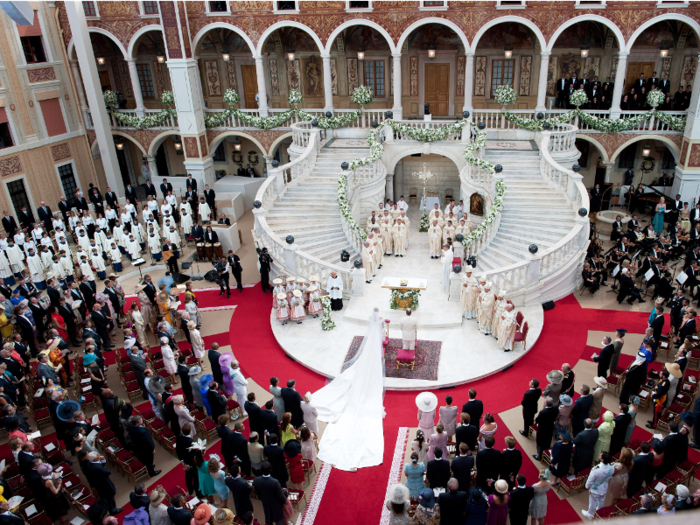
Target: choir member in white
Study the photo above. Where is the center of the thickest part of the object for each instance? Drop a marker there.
(447, 255)
(133, 248)
(36, 269)
(334, 288)
(204, 211)
(186, 221)
(86, 269)
(15, 257)
(98, 263)
(470, 292)
(115, 256)
(6, 270)
(67, 266)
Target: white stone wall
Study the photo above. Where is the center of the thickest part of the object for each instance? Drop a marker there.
(448, 176)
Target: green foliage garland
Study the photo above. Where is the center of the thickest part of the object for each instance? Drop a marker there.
(149, 121)
(397, 295)
(605, 125)
(344, 206)
(326, 321)
(427, 134)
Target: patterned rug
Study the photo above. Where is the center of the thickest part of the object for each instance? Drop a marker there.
(427, 359)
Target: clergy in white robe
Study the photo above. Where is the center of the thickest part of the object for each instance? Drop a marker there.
(376, 248)
(399, 234)
(98, 263)
(204, 211)
(6, 270)
(448, 232)
(35, 266)
(462, 228)
(409, 332)
(367, 255)
(58, 271)
(499, 307)
(484, 311)
(434, 212)
(507, 328)
(395, 212)
(387, 237)
(29, 244)
(153, 224)
(379, 246)
(402, 204)
(446, 259)
(405, 220)
(46, 259)
(334, 288)
(469, 294)
(154, 246)
(86, 269)
(435, 240)
(387, 217)
(139, 234)
(66, 263)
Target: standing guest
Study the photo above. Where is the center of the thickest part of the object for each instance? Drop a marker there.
(553, 389)
(597, 484)
(511, 461)
(239, 447)
(253, 411)
(57, 506)
(179, 515)
(561, 456)
(605, 356)
(529, 404)
(269, 491)
(685, 502)
(617, 350)
(427, 403)
(183, 414)
(420, 447)
(585, 443)
(519, 504)
(621, 422)
(195, 383)
(184, 372)
(618, 483)
(453, 503)
(538, 505)
(287, 430)
(582, 407)
(157, 511)
(214, 357)
(217, 402)
(568, 383)
(265, 264)
(278, 402)
(292, 454)
(668, 504)
(545, 427)
(292, 403)
(598, 395)
(255, 452)
(275, 456)
(438, 440)
(427, 511)
(138, 498)
(448, 417)
(98, 476)
(269, 422)
(144, 448)
(489, 428)
(240, 491)
(498, 504)
(438, 471)
(219, 476)
(564, 418)
(605, 431)
(488, 465)
(310, 413)
(474, 407)
(185, 454)
(462, 467)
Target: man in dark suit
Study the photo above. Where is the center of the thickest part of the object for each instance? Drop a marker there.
(268, 421)
(150, 190)
(462, 467)
(165, 187)
(7, 517)
(580, 411)
(651, 81)
(53, 293)
(292, 403)
(673, 449)
(25, 457)
(197, 233)
(466, 432)
(191, 197)
(98, 476)
(545, 427)
(214, 356)
(234, 262)
(183, 442)
(240, 490)
(150, 289)
(144, 448)
(45, 216)
(511, 461)
(239, 447)
(474, 407)
(9, 224)
(253, 411)
(69, 317)
(275, 455)
(438, 471)
(665, 84)
(452, 503)
(216, 401)
(622, 421)
(605, 356)
(562, 91)
(139, 365)
(102, 325)
(519, 502)
(96, 200)
(225, 433)
(191, 183)
(210, 198)
(639, 83)
(658, 323)
(26, 328)
(177, 512)
(88, 293)
(138, 498)
(584, 444)
(488, 466)
(184, 372)
(640, 466)
(269, 491)
(111, 199)
(26, 217)
(529, 404)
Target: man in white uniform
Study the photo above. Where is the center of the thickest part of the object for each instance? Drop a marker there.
(240, 386)
(409, 331)
(446, 255)
(334, 288)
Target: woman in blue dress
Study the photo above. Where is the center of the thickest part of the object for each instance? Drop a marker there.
(219, 476)
(658, 221)
(414, 476)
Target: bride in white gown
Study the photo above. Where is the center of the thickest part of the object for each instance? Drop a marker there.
(353, 405)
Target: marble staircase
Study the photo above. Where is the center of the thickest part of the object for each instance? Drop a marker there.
(308, 209)
(532, 213)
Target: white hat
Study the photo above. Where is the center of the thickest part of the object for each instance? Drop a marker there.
(489, 285)
(281, 295)
(426, 401)
(301, 280)
(296, 293)
(501, 293)
(313, 288)
(277, 281)
(601, 382)
(482, 279)
(291, 278)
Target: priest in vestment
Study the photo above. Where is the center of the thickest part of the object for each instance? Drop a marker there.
(399, 234)
(506, 328)
(485, 309)
(470, 291)
(378, 246)
(448, 232)
(367, 255)
(447, 256)
(499, 307)
(387, 236)
(334, 288)
(435, 239)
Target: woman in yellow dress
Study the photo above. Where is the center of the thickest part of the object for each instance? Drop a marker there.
(164, 306)
(58, 360)
(5, 326)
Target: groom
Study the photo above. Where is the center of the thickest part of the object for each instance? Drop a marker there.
(408, 331)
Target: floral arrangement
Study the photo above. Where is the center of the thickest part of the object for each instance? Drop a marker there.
(344, 206)
(505, 95)
(331, 122)
(149, 121)
(496, 208)
(231, 97)
(376, 147)
(398, 295)
(294, 97)
(326, 321)
(655, 97)
(424, 222)
(605, 125)
(427, 134)
(362, 95)
(578, 98)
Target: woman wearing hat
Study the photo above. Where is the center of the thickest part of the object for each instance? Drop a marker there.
(53, 500)
(621, 469)
(282, 308)
(192, 309)
(310, 413)
(97, 376)
(147, 311)
(498, 504)
(566, 405)
(198, 347)
(194, 383)
(427, 511)
(139, 325)
(605, 430)
(561, 456)
(477, 507)
(278, 289)
(157, 511)
(169, 359)
(183, 414)
(427, 403)
(674, 369)
(398, 503)
(633, 411)
(553, 389)
(297, 306)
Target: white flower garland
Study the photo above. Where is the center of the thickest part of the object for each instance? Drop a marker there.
(505, 95)
(362, 95)
(326, 321)
(605, 125)
(344, 206)
(397, 295)
(427, 134)
(496, 208)
(150, 121)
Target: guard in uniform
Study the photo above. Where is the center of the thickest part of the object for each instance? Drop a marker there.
(659, 397)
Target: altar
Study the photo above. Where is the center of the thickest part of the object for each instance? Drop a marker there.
(405, 293)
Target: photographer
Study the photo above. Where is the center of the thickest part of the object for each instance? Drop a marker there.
(222, 269)
(265, 263)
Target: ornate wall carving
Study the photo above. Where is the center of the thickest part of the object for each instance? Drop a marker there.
(694, 158)
(684, 152)
(353, 79)
(525, 74)
(611, 142)
(10, 166)
(60, 152)
(191, 149)
(203, 145)
(211, 74)
(480, 76)
(414, 77)
(265, 137)
(42, 74)
(461, 65)
(274, 77)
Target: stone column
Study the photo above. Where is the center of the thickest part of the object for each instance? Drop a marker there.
(397, 109)
(327, 83)
(619, 85)
(136, 85)
(398, 179)
(262, 87)
(152, 167)
(93, 92)
(542, 85)
(389, 186)
(608, 170)
(469, 83)
(75, 68)
(692, 130)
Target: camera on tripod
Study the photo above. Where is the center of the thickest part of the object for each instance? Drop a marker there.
(471, 261)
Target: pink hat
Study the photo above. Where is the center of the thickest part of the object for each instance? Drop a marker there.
(225, 360)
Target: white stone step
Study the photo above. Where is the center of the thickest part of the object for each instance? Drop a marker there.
(283, 224)
(315, 235)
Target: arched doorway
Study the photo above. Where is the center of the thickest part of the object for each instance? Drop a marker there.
(439, 188)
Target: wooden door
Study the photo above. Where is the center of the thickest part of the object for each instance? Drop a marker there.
(437, 88)
(250, 86)
(633, 71)
(105, 83)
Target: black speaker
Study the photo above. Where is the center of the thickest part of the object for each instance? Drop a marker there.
(548, 305)
(181, 278)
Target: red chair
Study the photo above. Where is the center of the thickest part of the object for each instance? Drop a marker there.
(521, 336)
(519, 318)
(405, 358)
